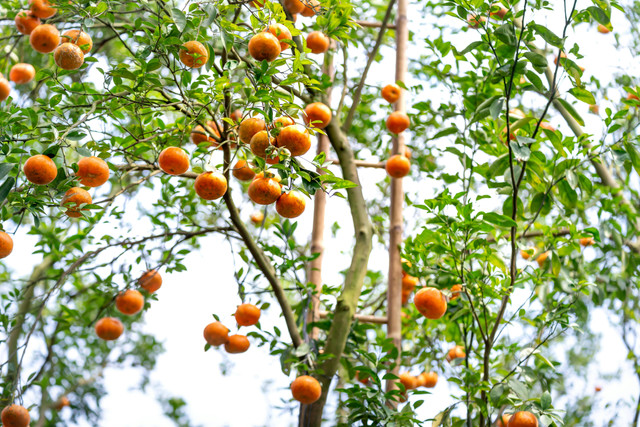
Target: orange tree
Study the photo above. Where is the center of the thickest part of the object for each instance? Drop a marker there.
(205, 105)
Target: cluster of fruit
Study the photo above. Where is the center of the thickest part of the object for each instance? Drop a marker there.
(398, 165)
(217, 334)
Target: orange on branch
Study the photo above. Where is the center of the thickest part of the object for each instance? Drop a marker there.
(129, 302)
(306, 389)
(408, 381)
(264, 190)
(22, 73)
(42, 8)
(15, 416)
(391, 93)
(294, 6)
(44, 38)
(398, 122)
(398, 166)
(150, 281)
(456, 352)
(73, 198)
(194, 54)
(79, 38)
(241, 171)
(317, 115)
(26, 22)
(247, 315)
(257, 217)
(173, 160)
(291, 204)
(281, 33)
(587, 241)
(216, 333)
(40, 169)
(260, 142)
(6, 244)
(249, 127)
(200, 134)
(68, 56)
(92, 171)
(237, 344)
(109, 328)
(523, 419)
(311, 7)
(294, 138)
(430, 302)
(264, 46)
(456, 290)
(210, 185)
(318, 42)
(5, 89)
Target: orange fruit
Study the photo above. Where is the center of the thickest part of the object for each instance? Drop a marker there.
(562, 55)
(6, 244)
(282, 33)
(173, 160)
(476, 21)
(283, 122)
(430, 379)
(194, 54)
(409, 283)
(317, 115)
(79, 38)
(291, 204)
(150, 281)
(391, 93)
(398, 122)
(44, 38)
(236, 115)
(456, 290)
(92, 171)
(257, 217)
(398, 166)
(430, 302)
(40, 169)
(200, 134)
(295, 138)
(542, 258)
(236, 344)
(500, 13)
(62, 402)
(523, 419)
(5, 89)
(249, 127)
(216, 334)
(503, 420)
(598, 388)
(210, 185)
(260, 142)
(247, 315)
(109, 328)
(73, 198)
(603, 30)
(594, 109)
(42, 8)
(524, 254)
(264, 46)
(15, 416)
(587, 241)
(242, 171)
(408, 381)
(129, 302)
(264, 190)
(311, 7)
(26, 22)
(306, 389)
(456, 352)
(318, 42)
(293, 6)
(68, 56)
(22, 73)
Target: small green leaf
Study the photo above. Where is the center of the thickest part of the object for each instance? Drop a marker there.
(179, 18)
(498, 219)
(601, 16)
(6, 187)
(571, 111)
(583, 95)
(548, 35)
(5, 168)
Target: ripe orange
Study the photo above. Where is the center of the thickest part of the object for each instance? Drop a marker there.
(294, 6)
(200, 134)
(129, 302)
(587, 241)
(210, 185)
(5, 89)
(603, 30)
(318, 42)
(42, 8)
(92, 171)
(264, 46)
(236, 344)
(150, 281)
(26, 22)
(430, 379)
(40, 169)
(398, 122)
(194, 54)
(306, 389)
(15, 416)
(109, 328)
(173, 160)
(22, 73)
(216, 334)
(391, 93)
(456, 352)
(523, 419)
(598, 388)
(503, 420)
(283, 122)
(247, 315)
(73, 198)
(317, 115)
(456, 290)
(282, 33)
(62, 402)
(44, 38)
(430, 302)
(260, 142)
(249, 127)
(500, 13)
(408, 381)
(311, 7)
(264, 190)
(409, 283)
(476, 21)
(242, 171)
(525, 254)
(295, 138)
(68, 56)
(79, 38)
(398, 166)
(291, 204)
(542, 258)
(257, 217)
(6, 244)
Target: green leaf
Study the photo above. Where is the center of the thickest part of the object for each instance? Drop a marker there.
(498, 219)
(520, 151)
(506, 35)
(445, 132)
(5, 168)
(538, 61)
(547, 35)
(6, 187)
(545, 401)
(571, 111)
(471, 47)
(179, 18)
(535, 80)
(496, 107)
(583, 95)
(600, 15)
(634, 156)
